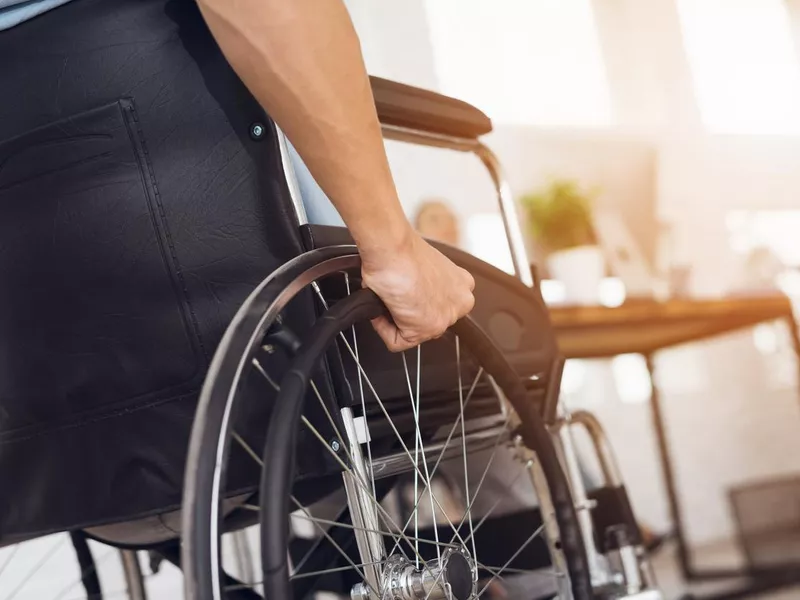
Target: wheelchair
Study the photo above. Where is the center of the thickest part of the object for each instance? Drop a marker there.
(445, 472)
(352, 424)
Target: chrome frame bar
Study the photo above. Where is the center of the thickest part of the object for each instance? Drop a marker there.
(508, 209)
(612, 476)
(365, 517)
(565, 445)
(132, 571)
(397, 463)
(548, 511)
(602, 447)
(291, 178)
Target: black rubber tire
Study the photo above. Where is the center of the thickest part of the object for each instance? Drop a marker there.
(279, 452)
(210, 438)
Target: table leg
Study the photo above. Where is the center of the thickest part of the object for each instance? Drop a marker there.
(667, 471)
(755, 582)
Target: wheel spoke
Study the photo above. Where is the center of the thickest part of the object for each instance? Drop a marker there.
(418, 499)
(366, 530)
(513, 556)
(335, 570)
(512, 570)
(240, 440)
(48, 555)
(493, 571)
(385, 412)
(361, 394)
(494, 506)
(316, 545)
(419, 446)
(464, 443)
(310, 551)
(387, 518)
(402, 443)
(423, 473)
(483, 476)
(345, 447)
(339, 549)
(415, 409)
(91, 569)
(11, 554)
(270, 380)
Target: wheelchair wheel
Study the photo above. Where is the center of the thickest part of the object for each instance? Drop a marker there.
(68, 567)
(351, 428)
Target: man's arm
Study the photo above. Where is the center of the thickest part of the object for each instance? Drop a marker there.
(301, 59)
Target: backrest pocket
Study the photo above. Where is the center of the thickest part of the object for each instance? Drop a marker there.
(92, 316)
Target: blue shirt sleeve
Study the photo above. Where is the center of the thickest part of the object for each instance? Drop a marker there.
(14, 12)
(319, 209)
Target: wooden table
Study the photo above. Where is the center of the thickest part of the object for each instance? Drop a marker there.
(645, 327)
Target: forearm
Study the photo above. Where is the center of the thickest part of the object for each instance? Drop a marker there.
(301, 59)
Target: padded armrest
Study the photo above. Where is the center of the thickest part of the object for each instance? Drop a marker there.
(422, 110)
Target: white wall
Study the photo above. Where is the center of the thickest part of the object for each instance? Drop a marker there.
(731, 424)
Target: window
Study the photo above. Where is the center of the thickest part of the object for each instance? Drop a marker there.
(743, 63)
(534, 62)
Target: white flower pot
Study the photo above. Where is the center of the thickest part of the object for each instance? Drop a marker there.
(580, 270)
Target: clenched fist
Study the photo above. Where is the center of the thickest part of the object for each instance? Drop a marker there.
(424, 291)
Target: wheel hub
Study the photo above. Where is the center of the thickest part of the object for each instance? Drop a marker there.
(452, 578)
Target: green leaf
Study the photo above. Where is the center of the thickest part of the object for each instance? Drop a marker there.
(559, 216)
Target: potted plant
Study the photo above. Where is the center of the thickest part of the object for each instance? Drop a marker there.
(560, 220)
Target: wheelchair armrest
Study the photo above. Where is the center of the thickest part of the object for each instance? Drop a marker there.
(422, 110)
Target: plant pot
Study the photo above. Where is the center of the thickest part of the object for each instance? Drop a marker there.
(580, 270)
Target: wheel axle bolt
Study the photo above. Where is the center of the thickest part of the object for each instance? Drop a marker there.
(335, 445)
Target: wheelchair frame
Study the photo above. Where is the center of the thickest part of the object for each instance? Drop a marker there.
(633, 568)
(557, 418)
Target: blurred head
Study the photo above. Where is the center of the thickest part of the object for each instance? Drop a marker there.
(436, 221)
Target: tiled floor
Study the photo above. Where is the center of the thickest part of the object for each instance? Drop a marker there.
(57, 578)
(721, 555)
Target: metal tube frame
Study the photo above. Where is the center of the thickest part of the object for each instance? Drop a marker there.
(611, 475)
(562, 439)
(508, 209)
(363, 512)
(602, 447)
(132, 570)
(549, 519)
(394, 464)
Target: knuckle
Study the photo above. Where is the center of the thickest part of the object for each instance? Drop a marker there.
(468, 279)
(469, 303)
